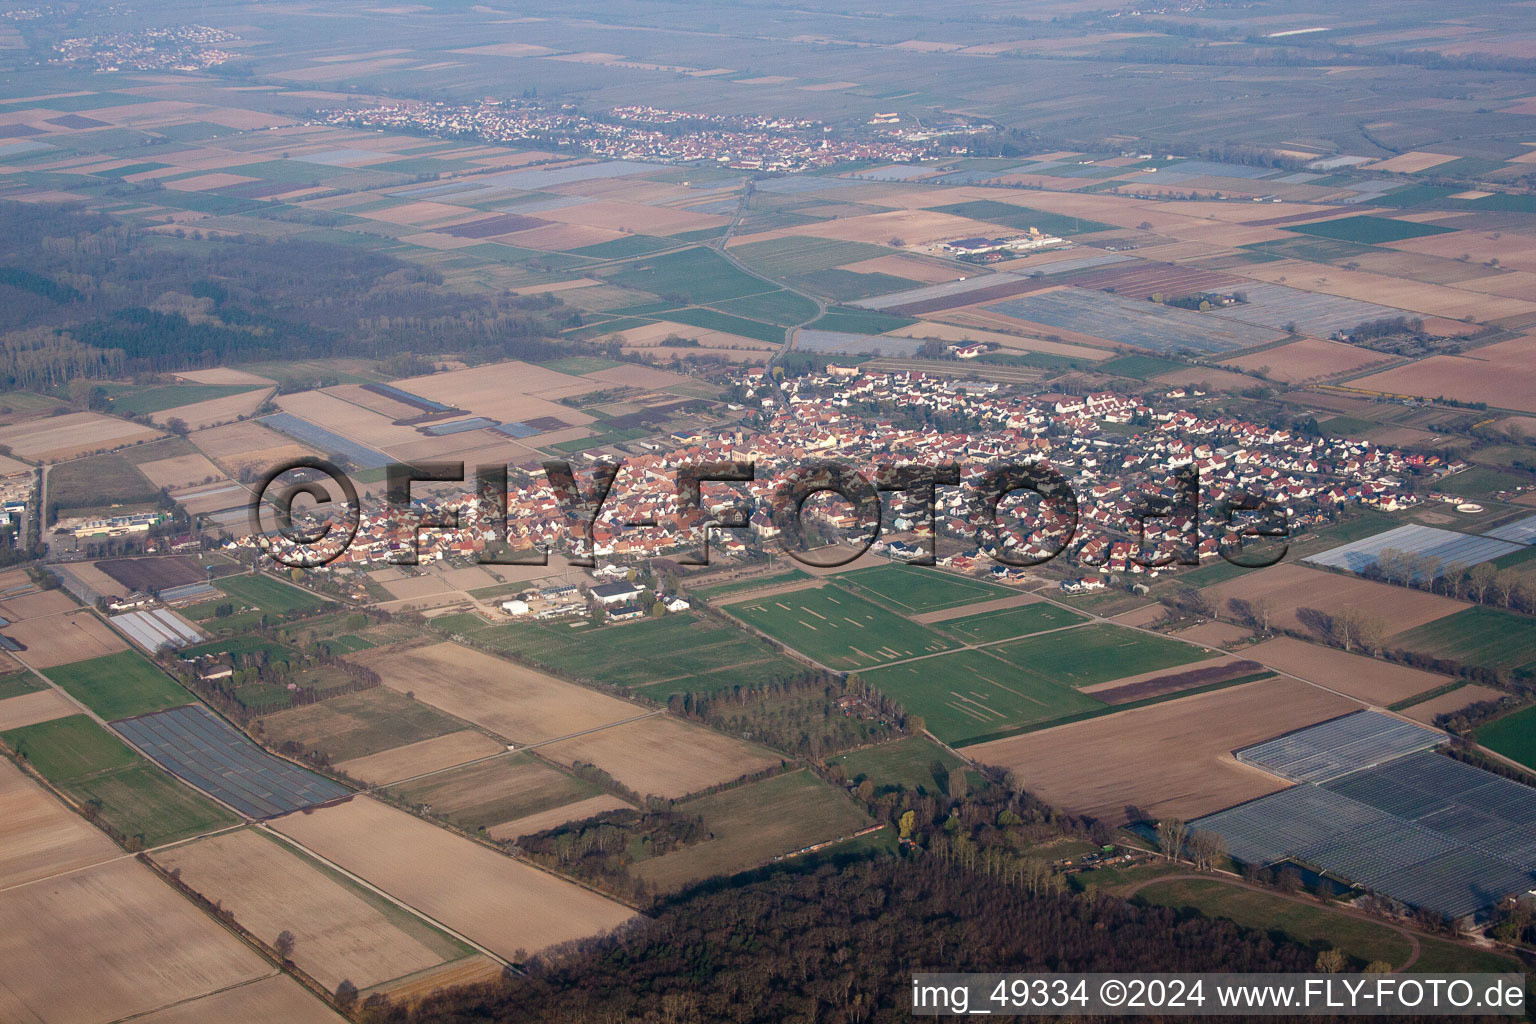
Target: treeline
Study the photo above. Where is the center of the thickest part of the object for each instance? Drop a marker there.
(87, 297)
(799, 715)
(837, 944)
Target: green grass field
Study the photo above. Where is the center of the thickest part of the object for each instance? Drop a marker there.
(1021, 218)
(1369, 230)
(839, 629)
(1312, 925)
(131, 794)
(268, 594)
(120, 685)
(860, 321)
(1096, 654)
(912, 589)
(803, 254)
(714, 320)
(623, 248)
(1513, 735)
(657, 657)
(140, 400)
(781, 307)
(847, 285)
(14, 684)
(98, 481)
(965, 695)
(701, 275)
(1141, 367)
(239, 645)
(1006, 623)
(749, 825)
(737, 586)
(909, 762)
(1483, 636)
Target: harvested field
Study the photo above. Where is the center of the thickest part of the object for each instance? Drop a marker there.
(509, 391)
(420, 757)
(237, 446)
(953, 332)
(225, 377)
(1213, 634)
(278, 998)
(495, 791)
(350, 421)
(471, 970)
(65, 437)
(511, 700)
(358, 724)
(503, 904)
(1169, 758)
(1366, 679)
(1427, 299)
(1444, 704)
(62, 639)
(978, 608)
(42, 836)
(1303, 598)
(1498, 374)
(648, 756)
(910, 267)
(214, 411)
(1411, 162)
(181, 471)
(1309, 359)
(338, 933)
(37, 604)
(105, 926)
(1160, 683)
(31, 708)
(751, 824)
(556, 816)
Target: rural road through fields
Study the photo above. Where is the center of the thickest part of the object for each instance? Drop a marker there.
(719, 245)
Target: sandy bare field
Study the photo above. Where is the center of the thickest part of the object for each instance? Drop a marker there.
(1366, 679)
(510, 391)
(503, 904)
(1411, 162)
(62, 639)
(235, 446)
(663, 756)
(527, 826)
(424, 756)
(910, 267)
(641, 377)
(511, 700)
(1168, 758)
(181, 471)
(1429, 299)
(42, 836)
(1296, 590)
(110, 942)
(1497, 374)
(996, 604)
(1309, 359)
(1453, 701)
(278, 998)
(635, 218)
(346, 419)
(37, 604)
(270, 888)
(222, 375)
(64, 437)
(215, 410)
(31, 708)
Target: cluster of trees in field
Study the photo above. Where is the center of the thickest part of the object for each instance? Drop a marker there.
(799, 715)
(601, 849)
(84, 296)
(1484, 582)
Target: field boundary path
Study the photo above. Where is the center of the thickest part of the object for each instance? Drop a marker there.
(719, 245)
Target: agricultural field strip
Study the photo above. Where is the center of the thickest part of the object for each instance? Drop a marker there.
(524, 749)
(362, 882)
